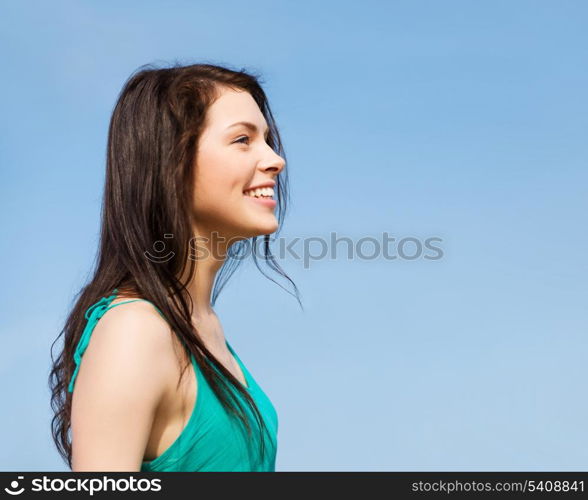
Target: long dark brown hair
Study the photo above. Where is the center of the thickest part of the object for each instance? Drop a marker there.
(152, 142)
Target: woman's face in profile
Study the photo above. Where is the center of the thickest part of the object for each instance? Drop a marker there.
(230, 160)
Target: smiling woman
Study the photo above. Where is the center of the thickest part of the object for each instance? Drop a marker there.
(228, 168)
(186, 160)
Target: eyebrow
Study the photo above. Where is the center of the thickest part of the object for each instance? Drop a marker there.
(250, 126)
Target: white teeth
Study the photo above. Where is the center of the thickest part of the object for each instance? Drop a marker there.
(266, 191)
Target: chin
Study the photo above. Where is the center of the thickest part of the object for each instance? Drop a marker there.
(266, 229)
(263, 227)
(258, 226)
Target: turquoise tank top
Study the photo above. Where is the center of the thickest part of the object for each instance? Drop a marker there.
(213, 440)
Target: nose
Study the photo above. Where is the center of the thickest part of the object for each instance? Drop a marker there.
(275, 163)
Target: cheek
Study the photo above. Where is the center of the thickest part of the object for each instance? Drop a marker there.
(218, 178)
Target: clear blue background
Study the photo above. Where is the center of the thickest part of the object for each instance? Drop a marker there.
(456, 119)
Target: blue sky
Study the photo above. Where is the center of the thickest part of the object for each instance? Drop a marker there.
(460, 120)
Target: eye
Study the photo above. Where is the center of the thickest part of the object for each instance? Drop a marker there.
(240, 140)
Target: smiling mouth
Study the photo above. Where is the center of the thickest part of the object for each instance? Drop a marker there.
(265, 193)
(260, 197)
(267, 201)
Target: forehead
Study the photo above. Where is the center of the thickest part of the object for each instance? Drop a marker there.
(233, 106)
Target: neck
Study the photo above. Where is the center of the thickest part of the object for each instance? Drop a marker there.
(199, 288)
(208, 250)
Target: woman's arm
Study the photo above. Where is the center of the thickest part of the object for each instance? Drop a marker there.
(121, 381)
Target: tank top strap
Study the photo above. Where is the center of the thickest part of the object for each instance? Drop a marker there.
(93, 314)
(135, 300)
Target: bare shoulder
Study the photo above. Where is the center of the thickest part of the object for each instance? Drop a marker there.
(136, 337)
(125, 373)
(139, 321)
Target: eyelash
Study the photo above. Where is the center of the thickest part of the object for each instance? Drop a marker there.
(239, 139)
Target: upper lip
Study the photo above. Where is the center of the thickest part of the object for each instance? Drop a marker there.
(270, 184)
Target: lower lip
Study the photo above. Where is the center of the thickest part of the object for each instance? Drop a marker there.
(268, 202)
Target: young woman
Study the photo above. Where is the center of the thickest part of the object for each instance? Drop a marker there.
(194, 162)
